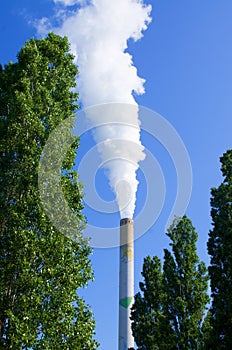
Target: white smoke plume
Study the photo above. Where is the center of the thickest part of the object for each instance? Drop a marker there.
(99, 31)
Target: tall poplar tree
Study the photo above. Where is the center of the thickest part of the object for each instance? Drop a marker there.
(186, 286)
(220, 250)
(41, 269)
(150, 325)
(170, 311)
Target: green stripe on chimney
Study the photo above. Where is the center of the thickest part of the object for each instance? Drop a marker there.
(126, 302)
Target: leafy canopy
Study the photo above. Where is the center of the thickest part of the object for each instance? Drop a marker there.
(220, 251)
(168, 313)
(41, 269)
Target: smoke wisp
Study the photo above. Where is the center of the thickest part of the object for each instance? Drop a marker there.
(99, 31)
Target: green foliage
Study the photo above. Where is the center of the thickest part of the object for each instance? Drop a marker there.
(149, 321)
(170, 311)
(220, 250)
(186, 284)
(41, 269)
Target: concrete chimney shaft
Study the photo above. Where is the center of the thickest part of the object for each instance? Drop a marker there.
(126, 283)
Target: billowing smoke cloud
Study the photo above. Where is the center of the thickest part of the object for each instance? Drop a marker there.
(99, 31)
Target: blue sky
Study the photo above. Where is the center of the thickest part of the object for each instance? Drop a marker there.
(186, 58)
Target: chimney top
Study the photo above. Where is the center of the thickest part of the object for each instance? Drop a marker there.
(125, 221)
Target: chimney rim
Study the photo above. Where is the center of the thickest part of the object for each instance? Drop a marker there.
(126, 221)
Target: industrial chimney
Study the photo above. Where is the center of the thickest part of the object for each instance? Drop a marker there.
(126, 283)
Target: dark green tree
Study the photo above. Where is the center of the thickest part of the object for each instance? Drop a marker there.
(41, 269)
(170, 312)
(186, 285)
(149, 322)
(220, 251)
